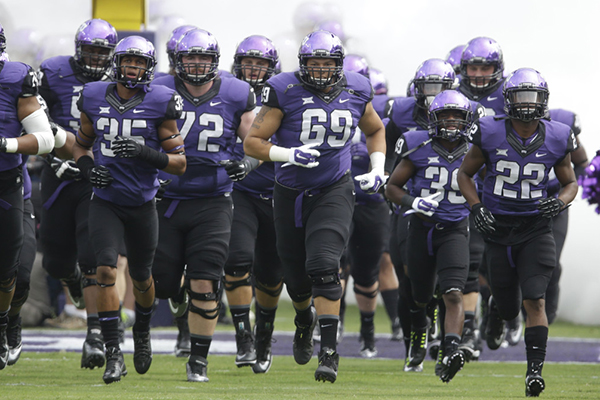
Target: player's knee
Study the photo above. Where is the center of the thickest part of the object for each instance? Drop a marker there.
(453, 297)
(233, 282)
(270, 290)
(364, 291)
(201, 302)
(19, 298)
(106, 276)
(326, 285)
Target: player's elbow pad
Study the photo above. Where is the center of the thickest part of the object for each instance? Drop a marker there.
(45, 142)
(38, 125)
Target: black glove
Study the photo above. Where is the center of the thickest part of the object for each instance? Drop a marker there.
(126, 147)
(237, 169)
(484, 220)
(161, 190)
(550, 207)
(100, 177)
(2, 145)
(65, 170)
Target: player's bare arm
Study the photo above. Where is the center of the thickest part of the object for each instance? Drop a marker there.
(85, 139)
(472, 162)
(374, 130)
(402, 173)
(568, 182)
(265, 124)
(172, 144)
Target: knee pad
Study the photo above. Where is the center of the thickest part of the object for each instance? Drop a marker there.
(19, 298)
(8, 284)
(87, 282)
(88, 269)
(298, 297)
(215, 295)
(370, 295)
(268, 291)
(238, 270)
(232, 285)
(327, 285)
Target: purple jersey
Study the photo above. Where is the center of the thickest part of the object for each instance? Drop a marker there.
(380, 103)
(516, 170)
(568, 118)
(492, 99)
(135, 181)
(61, 83)
(208, 126)
(16, 80)
(326, 119)
(260, 181)
(436, 170)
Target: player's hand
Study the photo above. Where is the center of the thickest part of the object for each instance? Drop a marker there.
(371, 182)
(550, 207)
(237, 169)
(483, 219)
(65, 170)
(426, 205)
(304, 156)
(100, 177)
(161, 190)
(126, 147)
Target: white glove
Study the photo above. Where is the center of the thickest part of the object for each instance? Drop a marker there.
(304, 156)
(371, 182)
(426, 205)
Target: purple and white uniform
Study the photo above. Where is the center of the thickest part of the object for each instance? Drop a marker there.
(135, 182)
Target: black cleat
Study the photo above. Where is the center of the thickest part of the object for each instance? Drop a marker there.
(303, 346)
(196, 369)
(142, 352)
(495, 330)
(15, 344)
(3, 347)
(328, 365)
(183, 345)
(75, 286)
(92, 355)
(468, 345)
(534, 383)
(438, 362)
(115, 365)
(418, 349)
(264, 358)
(451, 364)
(246, 354)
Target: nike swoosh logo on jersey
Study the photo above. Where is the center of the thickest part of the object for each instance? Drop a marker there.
(343, 100)
(138, 111)
(215, 103)
(540, 154)
(490, 98)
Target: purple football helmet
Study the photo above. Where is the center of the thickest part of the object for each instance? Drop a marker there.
(2, 39)
(356, 63)
(378, 81)
(173, 39)
(590, 182)
(410, 89)
(482, 51)
(135, 46)
(197, 42)
(444, 126)
(321, 45)
(453, 57)
(432, 77)
(101, 35)
(255, 46)
(526, 95)
(332, 26)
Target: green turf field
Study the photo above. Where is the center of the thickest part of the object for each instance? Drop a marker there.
(58, 376)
